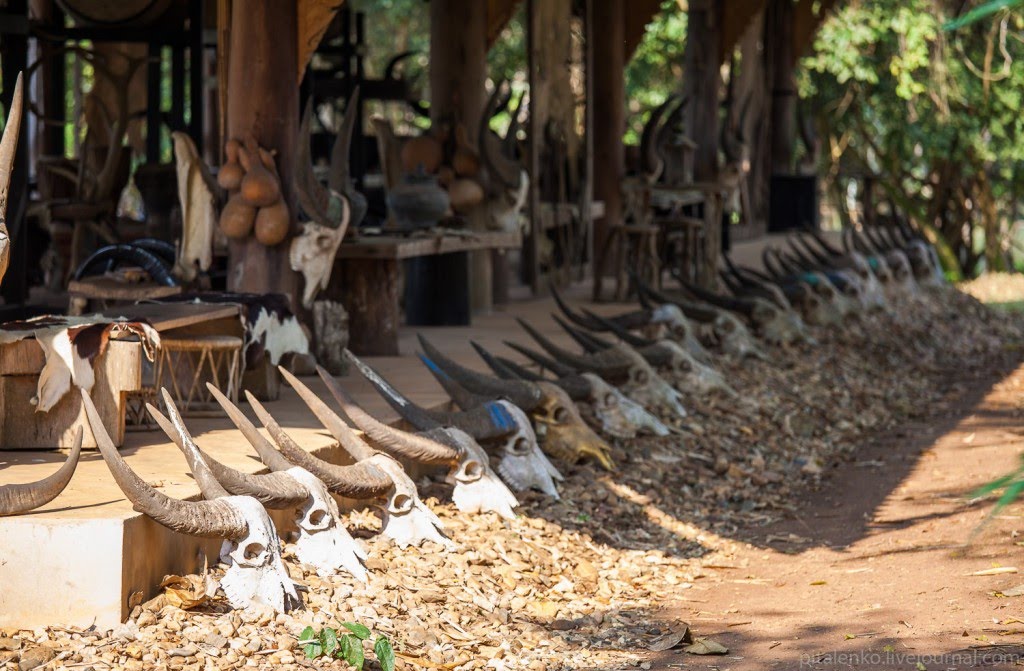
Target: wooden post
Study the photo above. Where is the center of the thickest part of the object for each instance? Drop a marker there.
(262, 99)
(702, 83)
(784, 97)
(551, 108)
(609, 164)
(458, 70)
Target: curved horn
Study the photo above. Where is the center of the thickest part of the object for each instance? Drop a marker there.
(313, 198)
(586, 340)
(484, 422)
(541, 360)
(8, 148)
(522, 394)
(268, 453)
(725, 302)
(176, 431)
(18, 499)
(498, 166)
(554, 350)
(391, 440)
(208, 519)
(573, 316)
(652, 163)
(274, 490)
(334, 424)
(620, 332)
(462, 397)
(358, 481)
(500, 367)
(339, 178)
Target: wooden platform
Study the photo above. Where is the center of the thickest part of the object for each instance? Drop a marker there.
(78, 560)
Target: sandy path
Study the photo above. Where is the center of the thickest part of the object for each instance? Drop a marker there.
(873, 569)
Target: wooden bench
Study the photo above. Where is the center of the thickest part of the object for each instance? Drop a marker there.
(368, 267)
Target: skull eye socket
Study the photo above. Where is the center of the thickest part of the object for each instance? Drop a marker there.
(561, 415)
(521, 446)
(728, 326)
(402, 503)
(252, 551)
(642, 377)
(472, 470)
(318, 517)
(684, 366)
(609, 399)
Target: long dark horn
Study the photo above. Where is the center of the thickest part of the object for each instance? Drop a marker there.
(725, 302)
(274, 490)
(648, 139)
(498, 166)
(463, 398)
(586, 340)
(394, 441)
(339, 178)
(771, 264)
(623, 334)
(485, 422)
(574, 316)
(692, 310)
(268, 453)
(208, 519)
(18, 499)
(804, 242)
(176, 431)
(541, 360)
(358, 481)
(807, 261)
(499, 366)
(829, 248)
(8, 149)
(522, 394)
(313, 198)
(554, 350)
(335, 425)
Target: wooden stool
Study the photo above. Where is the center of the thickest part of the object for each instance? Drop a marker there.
(186, 364)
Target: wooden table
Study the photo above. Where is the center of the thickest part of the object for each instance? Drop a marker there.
(83, 293)
(370, 280)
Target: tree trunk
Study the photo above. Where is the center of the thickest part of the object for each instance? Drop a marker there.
(779, 29)
(263, 100)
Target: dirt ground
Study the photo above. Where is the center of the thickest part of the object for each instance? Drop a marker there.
(877, 568)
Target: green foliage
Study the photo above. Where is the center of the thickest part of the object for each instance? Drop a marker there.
(933, 116)
(656, 69)
(349, 647)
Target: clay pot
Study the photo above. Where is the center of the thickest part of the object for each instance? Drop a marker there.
(418, 202)
(423, 151)
(465, 194)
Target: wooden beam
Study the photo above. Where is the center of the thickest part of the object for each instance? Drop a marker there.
(499, 13)
(263, 100)
(315, 17)
(635, 20)
(736, 17)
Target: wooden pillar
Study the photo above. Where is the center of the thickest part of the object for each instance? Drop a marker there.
(262, 99)
(458, 72)
(14, 54)
(551, 109)
(702, 82)
(784, 96)
(609, 96)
